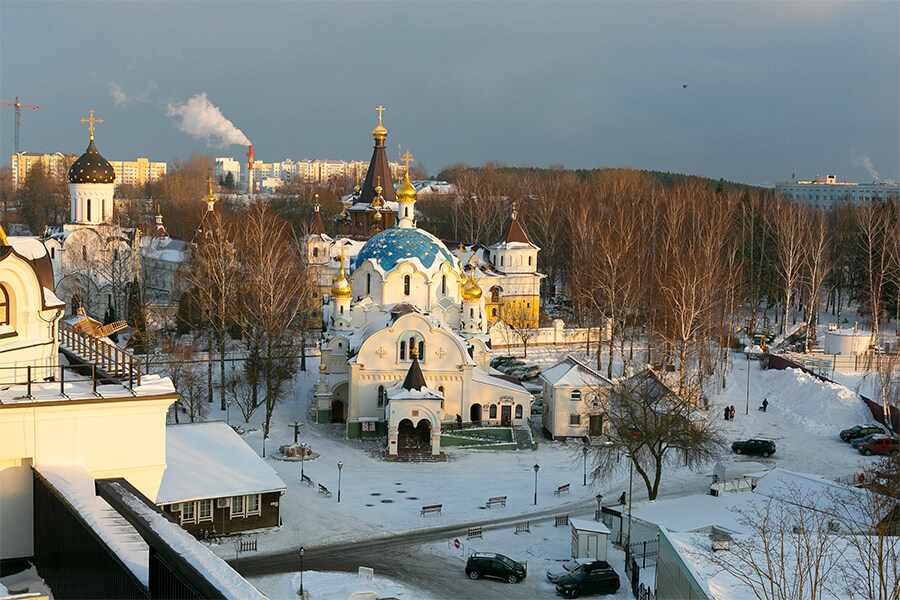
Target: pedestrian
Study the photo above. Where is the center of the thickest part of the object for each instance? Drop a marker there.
(731, 413)
(765, 404)
(622, 498)
(727, 413)
(458, 422)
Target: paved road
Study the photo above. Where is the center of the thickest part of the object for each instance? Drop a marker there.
(398, 557)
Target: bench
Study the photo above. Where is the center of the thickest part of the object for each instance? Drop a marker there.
(561, 489)
(305, 479)
(434, 508)
(324, 491)
(474, 532)
(561, 521)
(496, 500)
(523, 527)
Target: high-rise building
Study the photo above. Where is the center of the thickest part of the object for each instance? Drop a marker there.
(128, 172)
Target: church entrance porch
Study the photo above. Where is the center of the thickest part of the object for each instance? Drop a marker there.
(475, 413)
(337, 412)
(414, 441)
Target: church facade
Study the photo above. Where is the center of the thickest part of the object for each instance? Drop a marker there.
(405, 345)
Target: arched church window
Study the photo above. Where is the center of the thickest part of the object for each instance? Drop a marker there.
(342, 309)
(501, 261)
(4, 306)
(102, 211)
(495, 294)
(422, 350)
(381, 396)
(494, 312)
(441, 390)
(443, 285)
(471, 313)
(529, 261)
(405, 211)
(402, 350)
(316, 252)
(406, 285)
(368, 283)
(518, 411)
(89, 209)
(84, 252)
(576, 395)
(492, 414)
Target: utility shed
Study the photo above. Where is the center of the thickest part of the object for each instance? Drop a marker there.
(588, 539)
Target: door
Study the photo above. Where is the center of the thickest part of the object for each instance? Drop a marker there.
(596, 425)
(505, 413)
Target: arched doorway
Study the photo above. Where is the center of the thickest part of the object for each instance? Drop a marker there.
(337, 412)
(414, 439)
(475, 413)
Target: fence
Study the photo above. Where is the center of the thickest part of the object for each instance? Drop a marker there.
(109, 358)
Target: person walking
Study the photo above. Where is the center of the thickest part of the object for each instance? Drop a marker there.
(727, 413)
(731, 413)
(765, 404)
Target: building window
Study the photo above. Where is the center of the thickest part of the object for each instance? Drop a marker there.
(381, 396)
(518, 411)
(493, 312)
(471, 313)
(187, 512)
(574, 420)
(253, 505)
(204, 511)
(4, 306)
(493, 411)
(495, 294)
(422, 351)
(89, 209)
(84, 252)
(316, 252)
(237, 506)
(441, 390)
(576, 395)
(406, 285)
(529, 261)
(368, 283)
(501, 261)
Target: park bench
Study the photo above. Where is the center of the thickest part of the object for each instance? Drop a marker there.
(434, 508)
(305, 479)
(523, 527)
(561, 521)
(474, 532)
(496, 500)
(324, 491)
(561, 489)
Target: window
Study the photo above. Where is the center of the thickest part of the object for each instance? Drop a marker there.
(380, 396)
(253, 504)
(471, 313)
(187, 512)
(441, 390)
(493, 312)
(576, 395)
(237, 506)
(204, 511)
(402, 350)
(443, 285)
(422, 350)
(574, 420)
(406, 285)
(493, 412)
(89, 209)
(529, 261)
(518, 411)
(501, 261)
(4, 306)
(368, 283)
(84, 252)
(316, 252)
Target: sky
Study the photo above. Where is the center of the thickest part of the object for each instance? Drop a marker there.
(738, 90)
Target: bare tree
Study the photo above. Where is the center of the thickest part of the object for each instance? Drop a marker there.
(788, 222)
(876, 227)
(521, 319)
(187, 376)
(817, 260)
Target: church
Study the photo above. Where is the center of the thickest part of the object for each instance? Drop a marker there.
(405, 320)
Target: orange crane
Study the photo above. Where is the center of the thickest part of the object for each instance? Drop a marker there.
(18, 106)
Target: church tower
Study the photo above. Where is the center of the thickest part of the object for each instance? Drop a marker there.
(375, 210)
(91, 185)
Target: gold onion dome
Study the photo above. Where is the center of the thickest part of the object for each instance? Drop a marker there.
(406, 191)
(470, 289)
(379, 133)
(341, 288)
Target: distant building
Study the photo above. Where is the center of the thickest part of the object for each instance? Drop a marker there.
(824, 191)
(228, 165)
(128, 172)
(137, 172)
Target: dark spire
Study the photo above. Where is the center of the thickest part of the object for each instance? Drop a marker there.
(414, 378)
(514, 231)
(379, 172)
(317, 227)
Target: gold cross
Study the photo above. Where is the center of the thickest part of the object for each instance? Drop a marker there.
(380, 109)
(407, 158)
(378, 181)
(92, 120)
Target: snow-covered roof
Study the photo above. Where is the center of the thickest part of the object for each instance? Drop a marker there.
(210, 460)
(482, 377)
(572, 372)
(164, 248)
(79, 387)
(29, 247)
(76, 485)
(588, 525)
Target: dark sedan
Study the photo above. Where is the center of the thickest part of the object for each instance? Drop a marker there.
(759, 447)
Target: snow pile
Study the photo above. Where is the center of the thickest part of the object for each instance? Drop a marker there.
(820, 407)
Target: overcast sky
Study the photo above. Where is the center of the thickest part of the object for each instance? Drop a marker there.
(770, 85)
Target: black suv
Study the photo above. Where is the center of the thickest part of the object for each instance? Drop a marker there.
(761, 447)
(582, 581)
(860, 431)
(484, 564)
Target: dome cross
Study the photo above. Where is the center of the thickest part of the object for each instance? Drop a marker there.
(380, 109)
(91, 120)
(407, 158)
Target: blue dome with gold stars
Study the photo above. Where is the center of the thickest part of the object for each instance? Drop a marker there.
(393, 246)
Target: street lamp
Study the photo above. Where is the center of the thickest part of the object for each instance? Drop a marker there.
(584, 451)
(750, 339)
(630, 477)
(599, 507)
(536, 469)
(302, 459)
(302, 551)
(340, 466)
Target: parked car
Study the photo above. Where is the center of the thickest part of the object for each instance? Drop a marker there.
(582, 581)
(761, 447)
(527, 372)
(576, 563)
(879, 445)
(860, 431)
(488, 564)
(499, 360)
(537, 407)
(855, 442)
(507, 367)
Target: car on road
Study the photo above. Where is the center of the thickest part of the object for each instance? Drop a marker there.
(527, 372)
(879, 445)
(860, 431)
(489, 564)
(582, 581)
(575, 563)
(759, 447)
(508, 367)
(857, 441)
(499, 360)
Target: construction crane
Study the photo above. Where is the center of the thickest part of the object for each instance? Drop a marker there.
(18, 106)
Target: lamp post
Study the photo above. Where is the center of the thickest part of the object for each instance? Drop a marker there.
(302, 551)
(749, 327)
(537, 468)
(599, 507)
(303, 447)
(264, 439)
(630, 478)
(340, 466)
(584, 451)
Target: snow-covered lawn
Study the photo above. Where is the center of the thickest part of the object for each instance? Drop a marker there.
(382, 498)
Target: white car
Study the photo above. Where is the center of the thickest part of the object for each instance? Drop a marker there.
(572, 564)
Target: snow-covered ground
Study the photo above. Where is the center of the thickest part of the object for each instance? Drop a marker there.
(383, 498)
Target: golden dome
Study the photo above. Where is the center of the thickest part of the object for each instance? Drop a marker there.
(323, 368)
(341, 287)
(470, 289)
(379, 133)
(406, 191)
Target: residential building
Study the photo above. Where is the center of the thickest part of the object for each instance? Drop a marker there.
(824, 191)
(134, 172)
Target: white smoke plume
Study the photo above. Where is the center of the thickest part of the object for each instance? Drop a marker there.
(201, 119)
(858, 159)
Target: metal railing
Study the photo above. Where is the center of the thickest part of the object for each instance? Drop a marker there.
(100, 354)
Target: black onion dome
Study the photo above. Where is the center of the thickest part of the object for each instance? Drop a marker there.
(91, 168)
